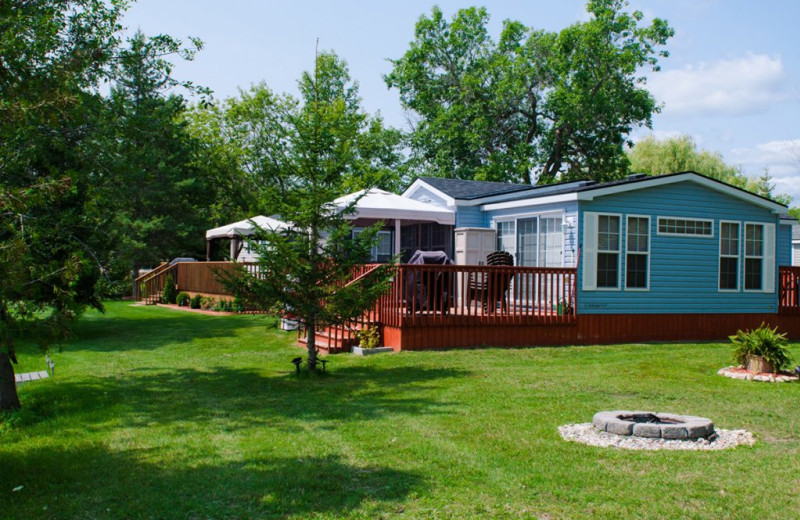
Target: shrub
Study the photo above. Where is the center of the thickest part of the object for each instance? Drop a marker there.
(196, 302)
(764, 342)
(170, 291)
(208, 303)
(369, 338)
(238, 305)
(183, 299)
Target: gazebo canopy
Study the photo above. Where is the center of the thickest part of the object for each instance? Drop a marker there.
(383, 205)
(244, 227)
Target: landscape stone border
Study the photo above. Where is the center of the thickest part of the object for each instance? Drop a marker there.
(674, 426)
(735, 372)
(586, 433)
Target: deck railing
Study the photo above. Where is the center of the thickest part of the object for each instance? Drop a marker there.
(788, 290)
(450, 295)
(193, 277)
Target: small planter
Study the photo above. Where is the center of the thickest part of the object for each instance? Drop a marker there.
(758, 364)
(358, 351)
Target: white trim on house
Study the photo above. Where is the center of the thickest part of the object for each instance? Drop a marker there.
(551, 199)
(651, 182)
(419, 183)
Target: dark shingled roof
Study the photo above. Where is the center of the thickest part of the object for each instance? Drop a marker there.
(467, 190)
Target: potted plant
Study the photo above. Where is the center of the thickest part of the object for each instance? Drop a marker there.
(762, 349)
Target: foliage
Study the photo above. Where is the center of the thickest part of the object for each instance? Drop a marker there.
(144, 142)
(238, 305)
(170, 293)
(196, 301)
(183, 299)
(680, 154)
(369, 337)
(241, 135)
(765, 342)
(534, 103)
(60, 157)
(308, 152)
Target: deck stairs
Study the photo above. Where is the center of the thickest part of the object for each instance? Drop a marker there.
(337, 339)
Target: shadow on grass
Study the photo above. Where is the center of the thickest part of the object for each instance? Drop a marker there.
(153, 330)
(240, 398)
(93, 482)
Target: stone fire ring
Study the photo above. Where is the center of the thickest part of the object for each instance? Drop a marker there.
(643, 424)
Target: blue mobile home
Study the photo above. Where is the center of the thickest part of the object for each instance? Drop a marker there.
(682, 245)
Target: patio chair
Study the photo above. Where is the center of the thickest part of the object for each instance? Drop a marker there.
(491, 288)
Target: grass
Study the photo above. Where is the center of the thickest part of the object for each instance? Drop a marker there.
(156, 413)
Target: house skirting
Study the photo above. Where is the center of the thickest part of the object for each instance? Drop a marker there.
(588, 329)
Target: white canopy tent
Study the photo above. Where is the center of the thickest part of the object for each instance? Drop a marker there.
(382, 205)
(374, 205)
(240, 229)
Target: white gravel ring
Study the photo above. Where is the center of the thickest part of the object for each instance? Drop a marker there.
(585, 433)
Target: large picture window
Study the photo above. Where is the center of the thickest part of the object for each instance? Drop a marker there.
(753, 256)
(608, 251)
(637, 257)
(729, 256)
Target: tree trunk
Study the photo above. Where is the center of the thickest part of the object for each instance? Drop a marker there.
(311, 345)
(9, 400)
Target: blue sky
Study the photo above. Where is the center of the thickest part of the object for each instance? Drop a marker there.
(732, 80)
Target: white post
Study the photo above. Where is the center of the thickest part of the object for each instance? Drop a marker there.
(397, 236)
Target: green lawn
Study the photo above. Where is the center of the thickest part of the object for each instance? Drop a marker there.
(156, 413)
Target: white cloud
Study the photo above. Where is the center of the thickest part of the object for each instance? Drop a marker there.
(781, 158)
(726, 87)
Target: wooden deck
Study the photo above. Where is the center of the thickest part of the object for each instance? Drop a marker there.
(434, 306)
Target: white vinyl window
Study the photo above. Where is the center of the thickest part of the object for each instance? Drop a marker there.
(685, 227)
(637, 257)
(753, 257)
(729, 256)
(608, 247)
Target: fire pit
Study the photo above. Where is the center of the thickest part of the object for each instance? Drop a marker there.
(654, 425)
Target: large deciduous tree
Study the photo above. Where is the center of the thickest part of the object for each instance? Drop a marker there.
(308, 152)
(534, 104)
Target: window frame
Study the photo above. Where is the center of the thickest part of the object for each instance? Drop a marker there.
(618, 252)
(685, 219)
(739, 249)
(515, 218)
(761, 257)
(638, 253)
